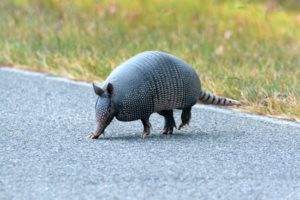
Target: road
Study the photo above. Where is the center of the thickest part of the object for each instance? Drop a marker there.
(223, 154)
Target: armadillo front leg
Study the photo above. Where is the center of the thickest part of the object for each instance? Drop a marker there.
(147, 127)
(169, 121)
(185, 116)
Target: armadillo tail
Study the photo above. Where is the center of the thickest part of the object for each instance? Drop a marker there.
(209, 98)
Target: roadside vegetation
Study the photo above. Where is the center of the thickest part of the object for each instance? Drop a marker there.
(245, 50)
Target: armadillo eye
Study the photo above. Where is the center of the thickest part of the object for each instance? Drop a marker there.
(109, 109)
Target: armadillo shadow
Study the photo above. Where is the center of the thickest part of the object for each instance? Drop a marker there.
(152, 137)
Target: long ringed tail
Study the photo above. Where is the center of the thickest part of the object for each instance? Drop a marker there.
(209, 98)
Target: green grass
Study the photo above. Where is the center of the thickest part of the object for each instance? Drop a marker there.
(242, 50)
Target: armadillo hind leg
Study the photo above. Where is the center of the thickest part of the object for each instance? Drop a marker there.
(147, 127)
(185, 116)
(169, 121)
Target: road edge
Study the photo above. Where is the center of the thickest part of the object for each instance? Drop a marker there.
(209, 108)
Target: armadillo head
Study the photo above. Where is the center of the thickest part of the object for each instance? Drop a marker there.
(105, 111)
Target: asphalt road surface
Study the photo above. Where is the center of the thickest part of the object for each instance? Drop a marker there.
(223, 154)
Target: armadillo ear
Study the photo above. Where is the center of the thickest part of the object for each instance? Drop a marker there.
(110, 89)
(98, 90)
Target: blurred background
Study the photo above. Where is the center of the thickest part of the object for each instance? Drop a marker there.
(246, 50)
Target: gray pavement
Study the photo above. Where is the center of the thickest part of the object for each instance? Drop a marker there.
(223, 154)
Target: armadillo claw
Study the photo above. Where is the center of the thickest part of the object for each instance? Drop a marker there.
(93, 136)
(181, 126)
(166, 131)
(144, 134)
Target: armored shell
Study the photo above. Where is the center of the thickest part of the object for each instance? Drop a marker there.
(150, 82)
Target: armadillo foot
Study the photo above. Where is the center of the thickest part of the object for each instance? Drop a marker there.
(167, 131)
(144, 134)
(93, 136)
(169, 121)
(182, 125)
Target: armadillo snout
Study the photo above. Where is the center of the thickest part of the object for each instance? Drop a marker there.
(104, 114)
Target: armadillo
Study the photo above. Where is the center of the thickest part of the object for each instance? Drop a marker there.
(151, 82)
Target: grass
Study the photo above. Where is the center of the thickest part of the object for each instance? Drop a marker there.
(242, 50)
